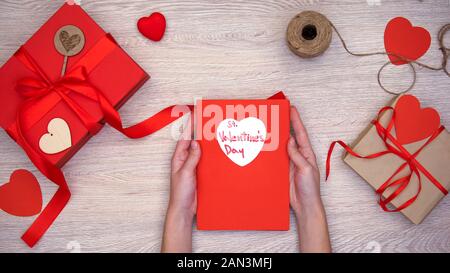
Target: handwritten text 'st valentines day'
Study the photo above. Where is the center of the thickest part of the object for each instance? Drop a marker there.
(241, 141)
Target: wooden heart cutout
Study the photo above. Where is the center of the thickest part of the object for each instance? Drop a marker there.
(153, 27)
(241, 141)
(404, 40)
(413, 123)
(58, 137)
(22, 195)
(69, 42)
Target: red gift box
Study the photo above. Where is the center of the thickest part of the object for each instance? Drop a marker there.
(97, 82)
(106, 64)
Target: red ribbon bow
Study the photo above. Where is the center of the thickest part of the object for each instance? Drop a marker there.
(394, 147)
(76, 81)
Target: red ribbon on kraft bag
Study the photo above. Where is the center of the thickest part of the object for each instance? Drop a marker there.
(393, 146)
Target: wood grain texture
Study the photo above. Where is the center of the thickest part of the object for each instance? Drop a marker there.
(231, 49)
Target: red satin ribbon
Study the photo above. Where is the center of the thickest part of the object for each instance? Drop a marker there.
(41, 95)
(394, 147)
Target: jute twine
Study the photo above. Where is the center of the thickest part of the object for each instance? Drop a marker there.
(309, 35)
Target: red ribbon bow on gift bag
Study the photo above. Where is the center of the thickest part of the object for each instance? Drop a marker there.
(41, 95)
(393, 146)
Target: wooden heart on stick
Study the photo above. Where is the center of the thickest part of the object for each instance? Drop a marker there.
(69, 41)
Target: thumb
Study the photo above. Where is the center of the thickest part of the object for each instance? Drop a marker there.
(294, 154)
(193, 158)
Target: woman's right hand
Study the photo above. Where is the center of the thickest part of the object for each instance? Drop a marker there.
(305, 198)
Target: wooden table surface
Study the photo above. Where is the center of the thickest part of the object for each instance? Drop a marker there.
(231, 49)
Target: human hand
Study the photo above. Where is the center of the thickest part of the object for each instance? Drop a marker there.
(183, 185)
(305, 178)
(305, 197)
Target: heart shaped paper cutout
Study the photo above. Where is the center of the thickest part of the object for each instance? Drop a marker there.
(153, 27)
(241, 141)
(58, 137)
(22, 195)
(404, 40)
(413, 123)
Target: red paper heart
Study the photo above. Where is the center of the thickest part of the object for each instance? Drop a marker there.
(413, 123)
(152, 27)
(22, 195)
(402, 39)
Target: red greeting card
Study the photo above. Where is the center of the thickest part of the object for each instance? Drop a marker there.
(243, 174)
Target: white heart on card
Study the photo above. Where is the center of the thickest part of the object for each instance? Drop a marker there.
(58, 137)
(241, 141)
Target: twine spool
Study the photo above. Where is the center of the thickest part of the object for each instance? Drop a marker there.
(309, 34)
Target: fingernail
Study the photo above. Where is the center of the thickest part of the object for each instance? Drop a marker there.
(291, 140)
(194, 145)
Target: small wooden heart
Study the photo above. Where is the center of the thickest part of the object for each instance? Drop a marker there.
(58, 137)
(69, 42)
